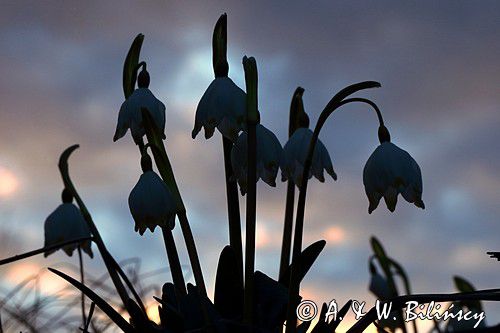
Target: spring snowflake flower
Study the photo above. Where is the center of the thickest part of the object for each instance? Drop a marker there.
(268, 156)
(389, 171)
(151, 202)
(295, 154)
(222, 106)
(64, 224)
(130, 115)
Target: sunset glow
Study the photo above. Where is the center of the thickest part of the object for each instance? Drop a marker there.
(8, 182)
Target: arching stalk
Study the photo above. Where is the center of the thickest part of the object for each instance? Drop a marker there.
(337, 101)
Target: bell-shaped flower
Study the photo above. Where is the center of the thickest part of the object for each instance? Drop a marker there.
(130, 115)
(64, 224)
(222, 106)
(389, 171)
(295, 154)
(151, 203)
(268, 155)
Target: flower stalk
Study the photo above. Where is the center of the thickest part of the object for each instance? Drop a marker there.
(82, 280)
(165, 168)
(251, 78)
(296, 113)
(233, 205)
(175, 265)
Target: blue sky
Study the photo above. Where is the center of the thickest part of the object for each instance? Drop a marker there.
(60, 84)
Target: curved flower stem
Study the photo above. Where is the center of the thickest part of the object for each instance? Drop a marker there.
(82, 280)
(175, 265)
(337, 101)
(63, 167)
(233, 207)
(251, 79)
(165, 169)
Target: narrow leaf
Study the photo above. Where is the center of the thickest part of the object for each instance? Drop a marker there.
(105, 307)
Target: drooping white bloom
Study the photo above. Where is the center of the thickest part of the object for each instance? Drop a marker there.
(222, 106)
(268, 155)
(295, 154)
(151, 203)
(64, 224)
(389, 171)
(130, 115)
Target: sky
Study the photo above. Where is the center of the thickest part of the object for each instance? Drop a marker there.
(437, 61)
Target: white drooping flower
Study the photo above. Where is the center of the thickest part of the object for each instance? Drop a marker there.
(295, 154)
(268, 156)
(389, 171)
(130, 115)
(64, 224)
(151, 203)
(222, 106)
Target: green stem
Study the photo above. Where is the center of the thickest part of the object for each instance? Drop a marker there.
(286, 244)
(233, 206)
(63, 167)
(165, 169)
(175, 265)
(251, 79)
(82, 280)
(250, 225)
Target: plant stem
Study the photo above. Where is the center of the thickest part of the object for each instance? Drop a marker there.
(251, 79)
(175, 265)
(192, 252)
(294, 290)
(233, 206)
(286, 244)
(167, 174)
(42, 250)
(82, 280)
(250, 225)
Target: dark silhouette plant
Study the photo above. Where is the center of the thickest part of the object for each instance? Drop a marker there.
(245, 300)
